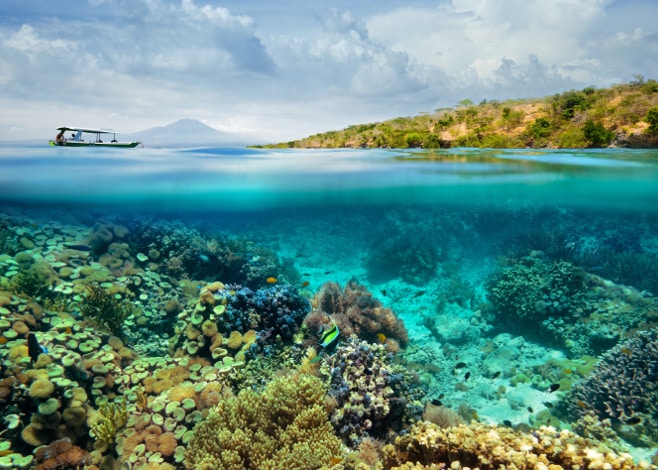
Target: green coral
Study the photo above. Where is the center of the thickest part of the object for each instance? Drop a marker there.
(104, 310)
(30, 283)
(284, 427)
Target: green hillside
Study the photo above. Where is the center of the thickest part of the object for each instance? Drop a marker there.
(622, 115)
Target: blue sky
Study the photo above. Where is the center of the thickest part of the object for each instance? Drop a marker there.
(285, 69)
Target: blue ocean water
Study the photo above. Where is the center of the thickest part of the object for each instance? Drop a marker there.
(513, 271)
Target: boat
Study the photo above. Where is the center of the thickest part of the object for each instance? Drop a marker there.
(93, 138)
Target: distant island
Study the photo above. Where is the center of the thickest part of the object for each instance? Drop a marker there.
(623, 115)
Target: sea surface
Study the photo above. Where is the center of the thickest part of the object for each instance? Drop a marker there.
(514, 272)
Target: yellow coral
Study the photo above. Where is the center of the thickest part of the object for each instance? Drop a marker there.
(234, 340)
(110, 418)
(284, 427)
(480, 445)
(249, 338)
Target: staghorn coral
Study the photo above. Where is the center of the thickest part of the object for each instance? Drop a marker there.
(356, 311)
(488, 446)
(622, 388)
(284, 427)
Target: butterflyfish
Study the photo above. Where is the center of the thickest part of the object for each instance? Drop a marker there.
(330, 337)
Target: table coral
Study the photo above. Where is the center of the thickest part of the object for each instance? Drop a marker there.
(284, 427)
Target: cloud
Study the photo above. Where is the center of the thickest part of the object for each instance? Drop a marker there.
(539, 47)
(298, 67)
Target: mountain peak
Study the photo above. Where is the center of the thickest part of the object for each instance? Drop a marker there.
(186, 132)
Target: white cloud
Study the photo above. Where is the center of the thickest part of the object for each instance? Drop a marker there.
(299, 68)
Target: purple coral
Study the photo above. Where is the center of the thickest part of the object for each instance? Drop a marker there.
(373, 396)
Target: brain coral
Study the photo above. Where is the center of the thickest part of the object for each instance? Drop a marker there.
(622, 387)
(285, 427)
(356, 311)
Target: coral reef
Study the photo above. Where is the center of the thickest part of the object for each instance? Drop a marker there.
(283, 427)
(559, 303)
(485, 446)
(373, 396)
(356, 311)
(61, 454)
(405, 245)
(621, 388)
(232, 319)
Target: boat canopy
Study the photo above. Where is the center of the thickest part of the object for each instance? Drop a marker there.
(85, 129)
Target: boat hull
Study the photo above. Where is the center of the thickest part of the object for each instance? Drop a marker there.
(127, 145)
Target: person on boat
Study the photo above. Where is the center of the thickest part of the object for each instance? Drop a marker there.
(60, 139)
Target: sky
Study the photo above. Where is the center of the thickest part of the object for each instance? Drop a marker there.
(286, 69)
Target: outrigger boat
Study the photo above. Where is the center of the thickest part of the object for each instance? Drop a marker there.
(76, 139)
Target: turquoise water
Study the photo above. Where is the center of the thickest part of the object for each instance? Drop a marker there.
(512, 271)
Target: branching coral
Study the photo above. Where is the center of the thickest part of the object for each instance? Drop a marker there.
(485, 446)
(112, 417)
(284, 427)
(356, 311)
(104, 310)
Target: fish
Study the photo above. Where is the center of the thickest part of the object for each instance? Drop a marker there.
(383, 291)
(460, 365)
(582, 404)
(305, 284)
(553, 388)
(204, 258)
(467, 376)
(381, 337)
(418, 294)
(330, 337)
(530, 410)
(436, 402)
(271, 280)
(34, 349)
(626, 351)
(507, 423)
(548, 404)
(496, 375)
(633, 420)
(77, 246)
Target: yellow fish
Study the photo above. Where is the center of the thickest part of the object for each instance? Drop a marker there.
(271, 280)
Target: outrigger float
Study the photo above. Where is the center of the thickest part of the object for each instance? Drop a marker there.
(77, 140)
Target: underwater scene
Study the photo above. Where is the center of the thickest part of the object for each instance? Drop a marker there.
(229, 308)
